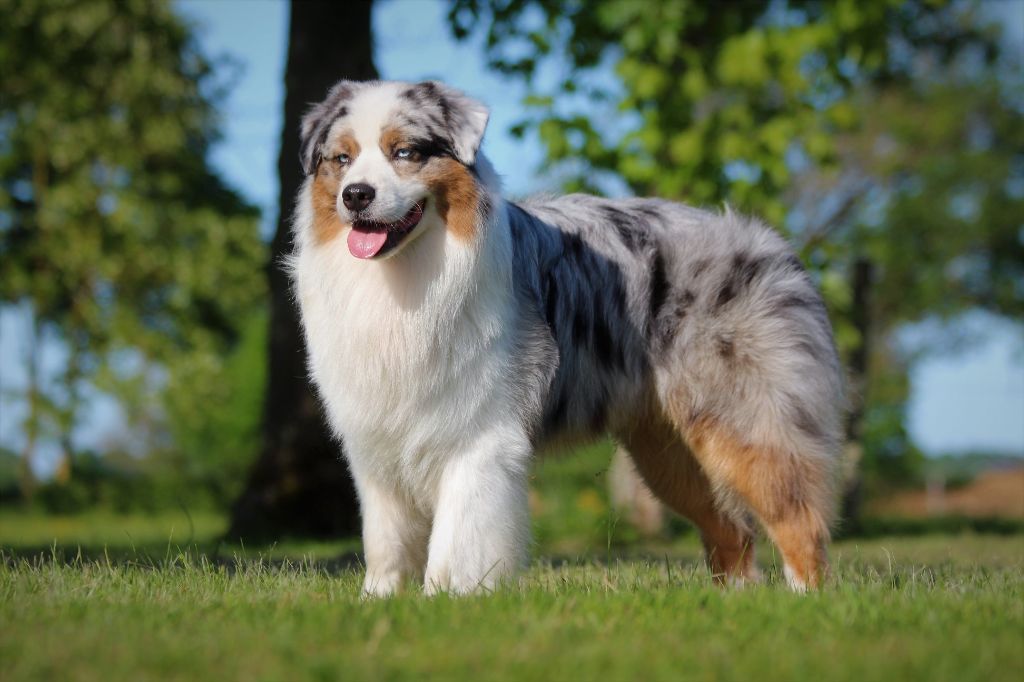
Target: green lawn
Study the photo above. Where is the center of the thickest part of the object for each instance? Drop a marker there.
(162, 601)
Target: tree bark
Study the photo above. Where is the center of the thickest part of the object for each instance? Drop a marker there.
(300, 485)
(860, 316)
(32, 427)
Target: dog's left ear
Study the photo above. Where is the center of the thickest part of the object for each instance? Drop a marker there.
(465, 119)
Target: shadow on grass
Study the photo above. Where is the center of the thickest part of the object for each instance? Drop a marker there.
(232, 558)
(214, 555)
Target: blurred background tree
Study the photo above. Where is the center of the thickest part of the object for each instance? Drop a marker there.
(127, 251)
(886, 137)
(133, 257)
(299, 484)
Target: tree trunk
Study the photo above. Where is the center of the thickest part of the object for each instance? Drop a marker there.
(860, 317)
(28, 476)
(66, 415)
(300, 485)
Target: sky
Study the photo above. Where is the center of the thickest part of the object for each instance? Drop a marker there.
(970, 400)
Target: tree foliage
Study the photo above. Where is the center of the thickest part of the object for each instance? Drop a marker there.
(707, 99)
(940, 173)
(129, 250)
(884, 136)
(937, 174)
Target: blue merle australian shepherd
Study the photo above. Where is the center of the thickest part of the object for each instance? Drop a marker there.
(453, 333)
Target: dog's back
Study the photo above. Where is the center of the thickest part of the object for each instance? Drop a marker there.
(637, 290)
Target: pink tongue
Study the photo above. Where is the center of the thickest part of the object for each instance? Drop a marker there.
(365, 244)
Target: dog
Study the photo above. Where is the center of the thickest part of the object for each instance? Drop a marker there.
(452, 333)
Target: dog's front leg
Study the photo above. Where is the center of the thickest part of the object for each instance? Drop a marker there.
(481, 524)
(395, 536)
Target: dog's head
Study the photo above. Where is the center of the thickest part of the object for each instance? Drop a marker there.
(382, 155)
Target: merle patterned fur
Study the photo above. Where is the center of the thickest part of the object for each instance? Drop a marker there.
(630, 287)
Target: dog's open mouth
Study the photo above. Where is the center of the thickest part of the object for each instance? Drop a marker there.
(370, 238)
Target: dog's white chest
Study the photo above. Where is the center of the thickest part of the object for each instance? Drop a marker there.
(405, 368)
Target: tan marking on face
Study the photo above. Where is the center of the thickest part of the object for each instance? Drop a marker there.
(457, 195)
(327, 224)
(393, 138)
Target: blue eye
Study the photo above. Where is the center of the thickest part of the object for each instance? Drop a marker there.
(343, 159)
(403, 153)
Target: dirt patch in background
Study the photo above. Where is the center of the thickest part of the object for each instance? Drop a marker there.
(995, 493)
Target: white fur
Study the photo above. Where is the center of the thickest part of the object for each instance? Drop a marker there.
(793, 579)
(409, 354)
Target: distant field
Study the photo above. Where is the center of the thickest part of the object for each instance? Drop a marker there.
(155, 606)
(994, 493)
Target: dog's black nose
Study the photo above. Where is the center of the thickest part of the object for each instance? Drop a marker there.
(357, 196)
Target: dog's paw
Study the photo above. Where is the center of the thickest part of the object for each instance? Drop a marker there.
(380, 585)
(459, 582)
(455, 589)
(437, 582)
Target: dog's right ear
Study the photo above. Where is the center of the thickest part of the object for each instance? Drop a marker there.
(317, 122)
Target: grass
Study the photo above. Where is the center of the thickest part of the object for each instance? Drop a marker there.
(105, 597)
(148, 538)
(156, 606)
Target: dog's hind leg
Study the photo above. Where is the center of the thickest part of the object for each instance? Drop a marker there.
(788, 488)
(752, 382)
(790, 493)
(629, 494)
(673, 474)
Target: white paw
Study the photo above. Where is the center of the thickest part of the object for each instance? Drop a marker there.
(466, 581)
(795, 582)
(378, 585)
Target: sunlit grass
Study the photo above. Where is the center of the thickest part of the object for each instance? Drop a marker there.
(930, 608)
(106, 597)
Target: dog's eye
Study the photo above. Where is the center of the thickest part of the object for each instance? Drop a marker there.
(343, 159)
(404, 153)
